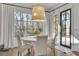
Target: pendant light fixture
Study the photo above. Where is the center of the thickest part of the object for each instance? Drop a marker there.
(38, 14)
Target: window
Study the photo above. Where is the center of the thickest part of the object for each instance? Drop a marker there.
(65, 23)
(25, 25)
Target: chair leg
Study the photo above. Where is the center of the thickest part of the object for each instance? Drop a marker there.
(32, 51)
(19, 53)
(28, 53)
(53, 51)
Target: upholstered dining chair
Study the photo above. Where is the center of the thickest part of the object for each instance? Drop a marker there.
(51, 43)
(22, 47)
(41, 45)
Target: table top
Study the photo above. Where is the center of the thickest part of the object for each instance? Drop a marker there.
(29, 38)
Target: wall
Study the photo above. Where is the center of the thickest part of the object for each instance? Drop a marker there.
(74, 22)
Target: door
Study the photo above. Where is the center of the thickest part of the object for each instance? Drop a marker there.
(65, 28)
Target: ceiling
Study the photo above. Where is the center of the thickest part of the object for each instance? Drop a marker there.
(47, 6)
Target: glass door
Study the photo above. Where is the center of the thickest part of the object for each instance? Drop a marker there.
(65, 30)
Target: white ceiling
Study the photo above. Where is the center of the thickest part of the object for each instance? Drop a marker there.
(47, 6)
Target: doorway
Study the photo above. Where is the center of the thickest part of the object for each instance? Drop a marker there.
(65, 28)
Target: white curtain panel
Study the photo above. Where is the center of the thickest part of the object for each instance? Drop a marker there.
(0, 23)
(7, 26)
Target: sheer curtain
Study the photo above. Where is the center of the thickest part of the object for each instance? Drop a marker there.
(7, 26)
(0, 23)
(8, 21)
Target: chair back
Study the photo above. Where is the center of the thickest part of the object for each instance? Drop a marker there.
(53, 40)
(55, 37)
(41, 45)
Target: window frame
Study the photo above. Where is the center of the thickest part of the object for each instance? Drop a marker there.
(65, 28)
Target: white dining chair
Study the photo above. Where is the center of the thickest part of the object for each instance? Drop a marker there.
(52, 43)
(41, 46)
(22, 47)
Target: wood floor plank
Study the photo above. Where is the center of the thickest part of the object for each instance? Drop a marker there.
(14, 52)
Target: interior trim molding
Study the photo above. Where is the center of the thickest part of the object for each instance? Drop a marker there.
(16, 5)
(58, 7)
(31, 8)
(19, 6)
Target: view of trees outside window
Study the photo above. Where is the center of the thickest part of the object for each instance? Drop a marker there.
(65, 28)
(25, 24)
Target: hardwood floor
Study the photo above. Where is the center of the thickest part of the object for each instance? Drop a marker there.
(10, 52)
(14, 52)
(76, 53)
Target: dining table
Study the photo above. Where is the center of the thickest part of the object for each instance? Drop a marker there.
(38, 44)
(29, 39)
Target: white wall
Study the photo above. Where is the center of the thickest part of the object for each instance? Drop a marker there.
(74, 22)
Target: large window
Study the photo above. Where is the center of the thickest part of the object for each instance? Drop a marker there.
(65, 22)
(25, 24)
